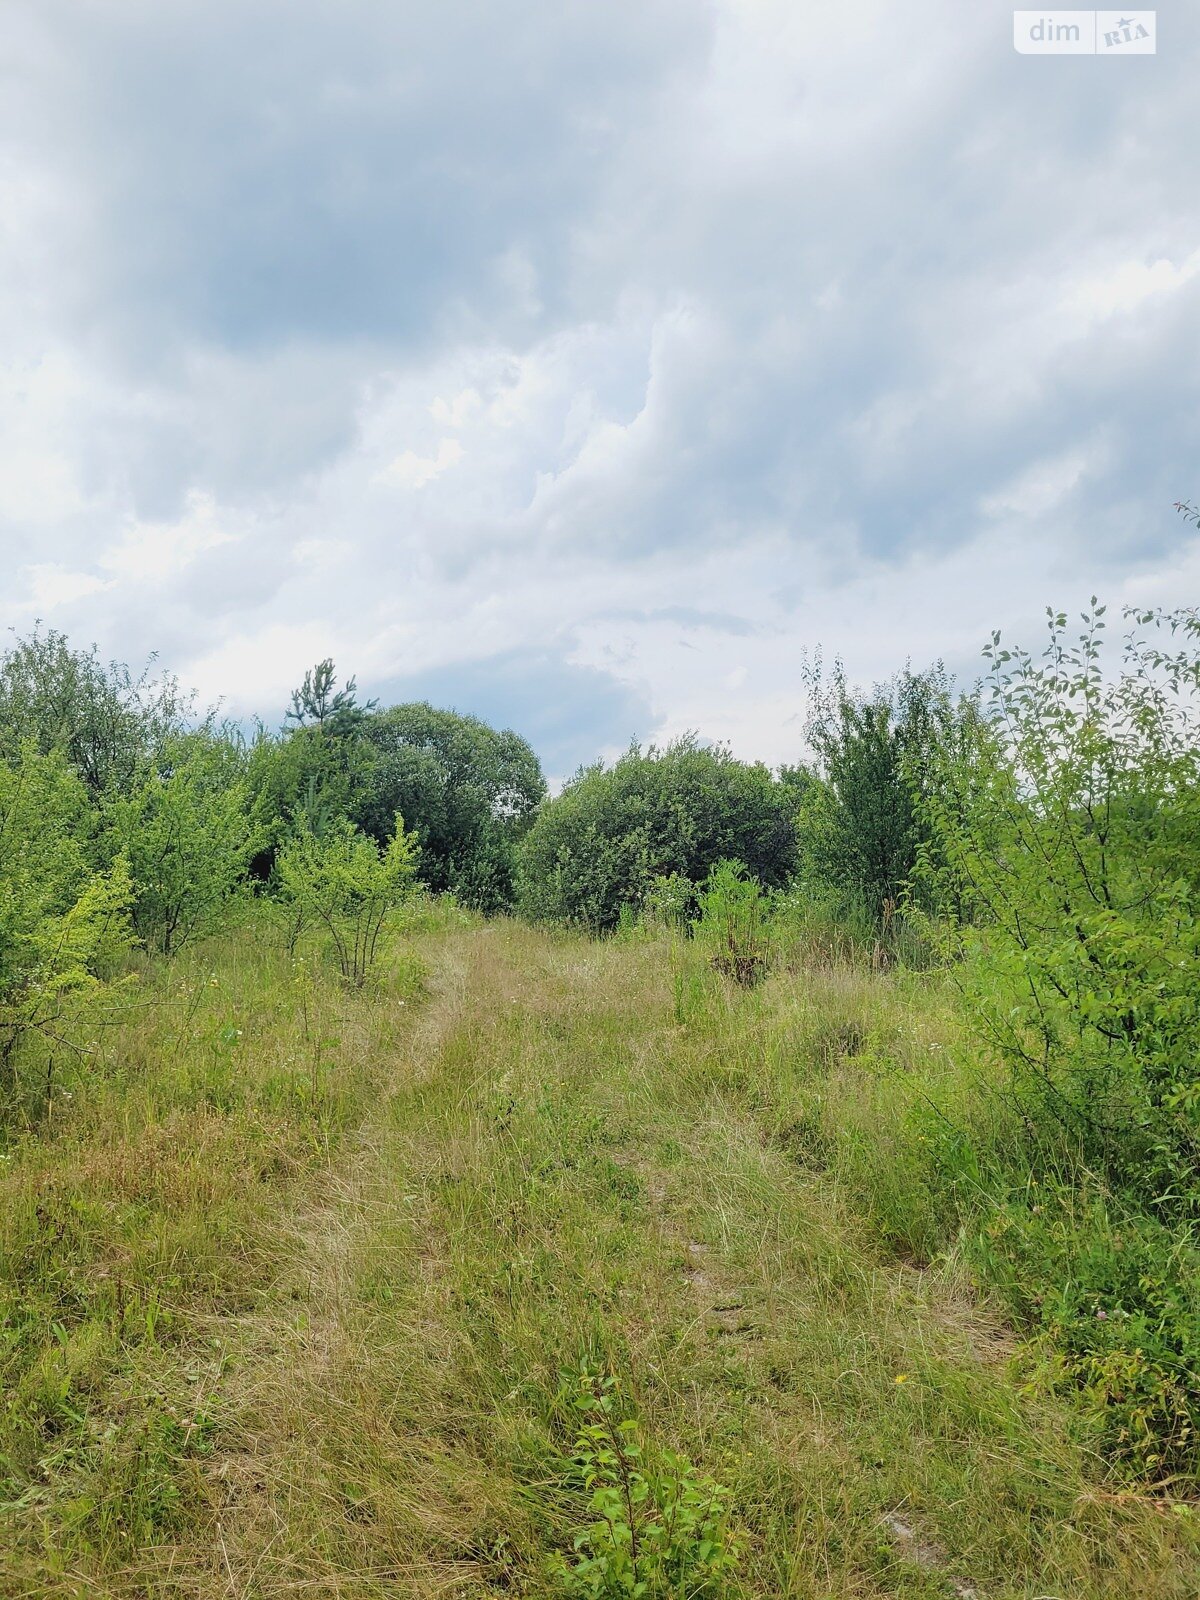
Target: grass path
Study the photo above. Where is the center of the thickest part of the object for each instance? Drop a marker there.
(555, 1170)
(563, 1173)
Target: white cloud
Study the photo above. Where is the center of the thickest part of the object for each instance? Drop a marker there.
(161, 552)
(411, 471)
(39, 478)
(274, 660)
(651, 339)
(51, 586)
(453, 413)
(1128, 285)
(1040, 487)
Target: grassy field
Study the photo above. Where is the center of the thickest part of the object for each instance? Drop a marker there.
(297, 1285)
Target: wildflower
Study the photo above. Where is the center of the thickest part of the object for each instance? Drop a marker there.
(901, 1377)
(1101, 1314)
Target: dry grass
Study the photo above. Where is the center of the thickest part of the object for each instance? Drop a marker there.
(379, 1270)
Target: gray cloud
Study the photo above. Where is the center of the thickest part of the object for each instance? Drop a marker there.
(626, 349)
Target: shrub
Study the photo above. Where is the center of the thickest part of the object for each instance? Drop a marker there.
(1067, 873)
(61, 925)
(862, 822)
(670, 901)
(312, 774)
(1117, 1297)
(468, 789)
(188, 833)
(659, 1527)
(343, 881)
(679, 811)
(106, 722)
(1070, 875)
(732, 928)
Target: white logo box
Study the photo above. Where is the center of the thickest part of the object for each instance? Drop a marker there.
(1085, 33)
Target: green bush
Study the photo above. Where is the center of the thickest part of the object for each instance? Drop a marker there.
(311, 773)
(105, 722)
(659, 1527)
(343, 881)
(1066, 869)
(188, 832)
(863, 820)
(1068, 875)
(468, 789)
(1116, 1295)
(732, 928)
(613, 832)
(670, 902)
(61, 924)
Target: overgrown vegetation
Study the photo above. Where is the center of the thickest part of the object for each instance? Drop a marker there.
(1071, 847)
(614, 833)
(342, 881)
(1066, 895)
(659, 1526)
(881, 1049)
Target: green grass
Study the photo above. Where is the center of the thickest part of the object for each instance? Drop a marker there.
(300, 1310)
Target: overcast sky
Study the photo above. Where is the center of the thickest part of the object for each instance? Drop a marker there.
(583, 364)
